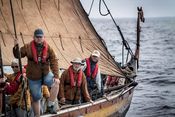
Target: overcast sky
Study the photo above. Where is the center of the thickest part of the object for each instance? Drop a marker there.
(128, 8)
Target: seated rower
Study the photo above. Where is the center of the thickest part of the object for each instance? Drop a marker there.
(73, 84)
(14, 88)
(111, 81)
(93, 75)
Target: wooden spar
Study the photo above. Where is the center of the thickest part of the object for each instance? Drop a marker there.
(140, 18)
(2, 94)
(118, 88)
(1, 64)
(19, 58)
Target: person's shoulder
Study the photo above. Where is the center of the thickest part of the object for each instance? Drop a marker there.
(26, 45)
(65, 72)
(83, 76)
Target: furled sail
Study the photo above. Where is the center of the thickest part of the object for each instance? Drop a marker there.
(66, 26)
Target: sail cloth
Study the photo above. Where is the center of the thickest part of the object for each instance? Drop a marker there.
(66, 26)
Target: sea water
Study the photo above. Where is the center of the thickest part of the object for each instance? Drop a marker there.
(155, 94)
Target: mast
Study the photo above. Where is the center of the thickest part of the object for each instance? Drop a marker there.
(140, 18)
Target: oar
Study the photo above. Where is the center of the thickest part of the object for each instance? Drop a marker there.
(19, 58)
(2, 84)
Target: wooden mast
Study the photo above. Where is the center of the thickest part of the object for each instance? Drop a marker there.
(140, 18)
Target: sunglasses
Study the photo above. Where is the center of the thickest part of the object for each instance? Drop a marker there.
(39, 36)
(14, 66)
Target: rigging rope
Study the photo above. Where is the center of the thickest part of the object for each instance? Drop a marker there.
(100, 8)
(91, 7)
(125, 43)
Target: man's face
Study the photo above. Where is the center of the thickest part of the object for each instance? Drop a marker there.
(76, 66)
(15, 67)
(95, 58)
(39, 39)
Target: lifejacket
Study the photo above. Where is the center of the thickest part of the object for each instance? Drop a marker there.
(88, 69)
(72, 76)
(44, 52)
(13, 86)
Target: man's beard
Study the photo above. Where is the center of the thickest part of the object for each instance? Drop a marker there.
(76, 69)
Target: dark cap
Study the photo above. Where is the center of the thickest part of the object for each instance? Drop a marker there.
(38, 32)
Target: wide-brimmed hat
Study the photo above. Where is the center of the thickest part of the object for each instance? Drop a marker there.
(77, 60)
(95, 53)
(38, 32)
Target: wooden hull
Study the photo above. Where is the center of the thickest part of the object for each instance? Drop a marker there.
(114, 106)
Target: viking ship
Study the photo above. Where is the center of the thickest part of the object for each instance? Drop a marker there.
(71, 34)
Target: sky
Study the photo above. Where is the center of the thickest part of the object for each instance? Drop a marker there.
(128, 8)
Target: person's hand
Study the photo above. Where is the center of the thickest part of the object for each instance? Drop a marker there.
(24, 75)
(92, 102)
(57, 80)
(15, 42)
(6, 84)
(2, 80)
(62, 100)
(106, 97)
(22, 78)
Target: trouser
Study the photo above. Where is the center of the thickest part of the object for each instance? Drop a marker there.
(43, 105)
(18, 112)
(35, 90)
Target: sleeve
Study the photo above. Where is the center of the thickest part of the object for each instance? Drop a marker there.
(12, 87)
(53, 63)
(98, 81)
(85, 65)
(61, 90)
(23, 51)
(85, 90)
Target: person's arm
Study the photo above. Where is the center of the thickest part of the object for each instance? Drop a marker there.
(53, 63)
(61, 90)
(84, 65)
(23, 51)
(85, 90)
(99, 81)
(12, 87)
(13, 84)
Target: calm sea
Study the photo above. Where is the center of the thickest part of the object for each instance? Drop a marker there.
(155, 94)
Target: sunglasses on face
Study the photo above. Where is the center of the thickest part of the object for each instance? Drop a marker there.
(39, 36)
(14, 66)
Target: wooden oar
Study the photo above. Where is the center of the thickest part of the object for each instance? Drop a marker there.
(19, 58)
(2, 94)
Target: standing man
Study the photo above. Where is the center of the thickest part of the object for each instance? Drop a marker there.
(93, 76)
(41, 58)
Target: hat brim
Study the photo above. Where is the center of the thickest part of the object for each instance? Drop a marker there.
(77, 63)
(41, 35)
(95, 55)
